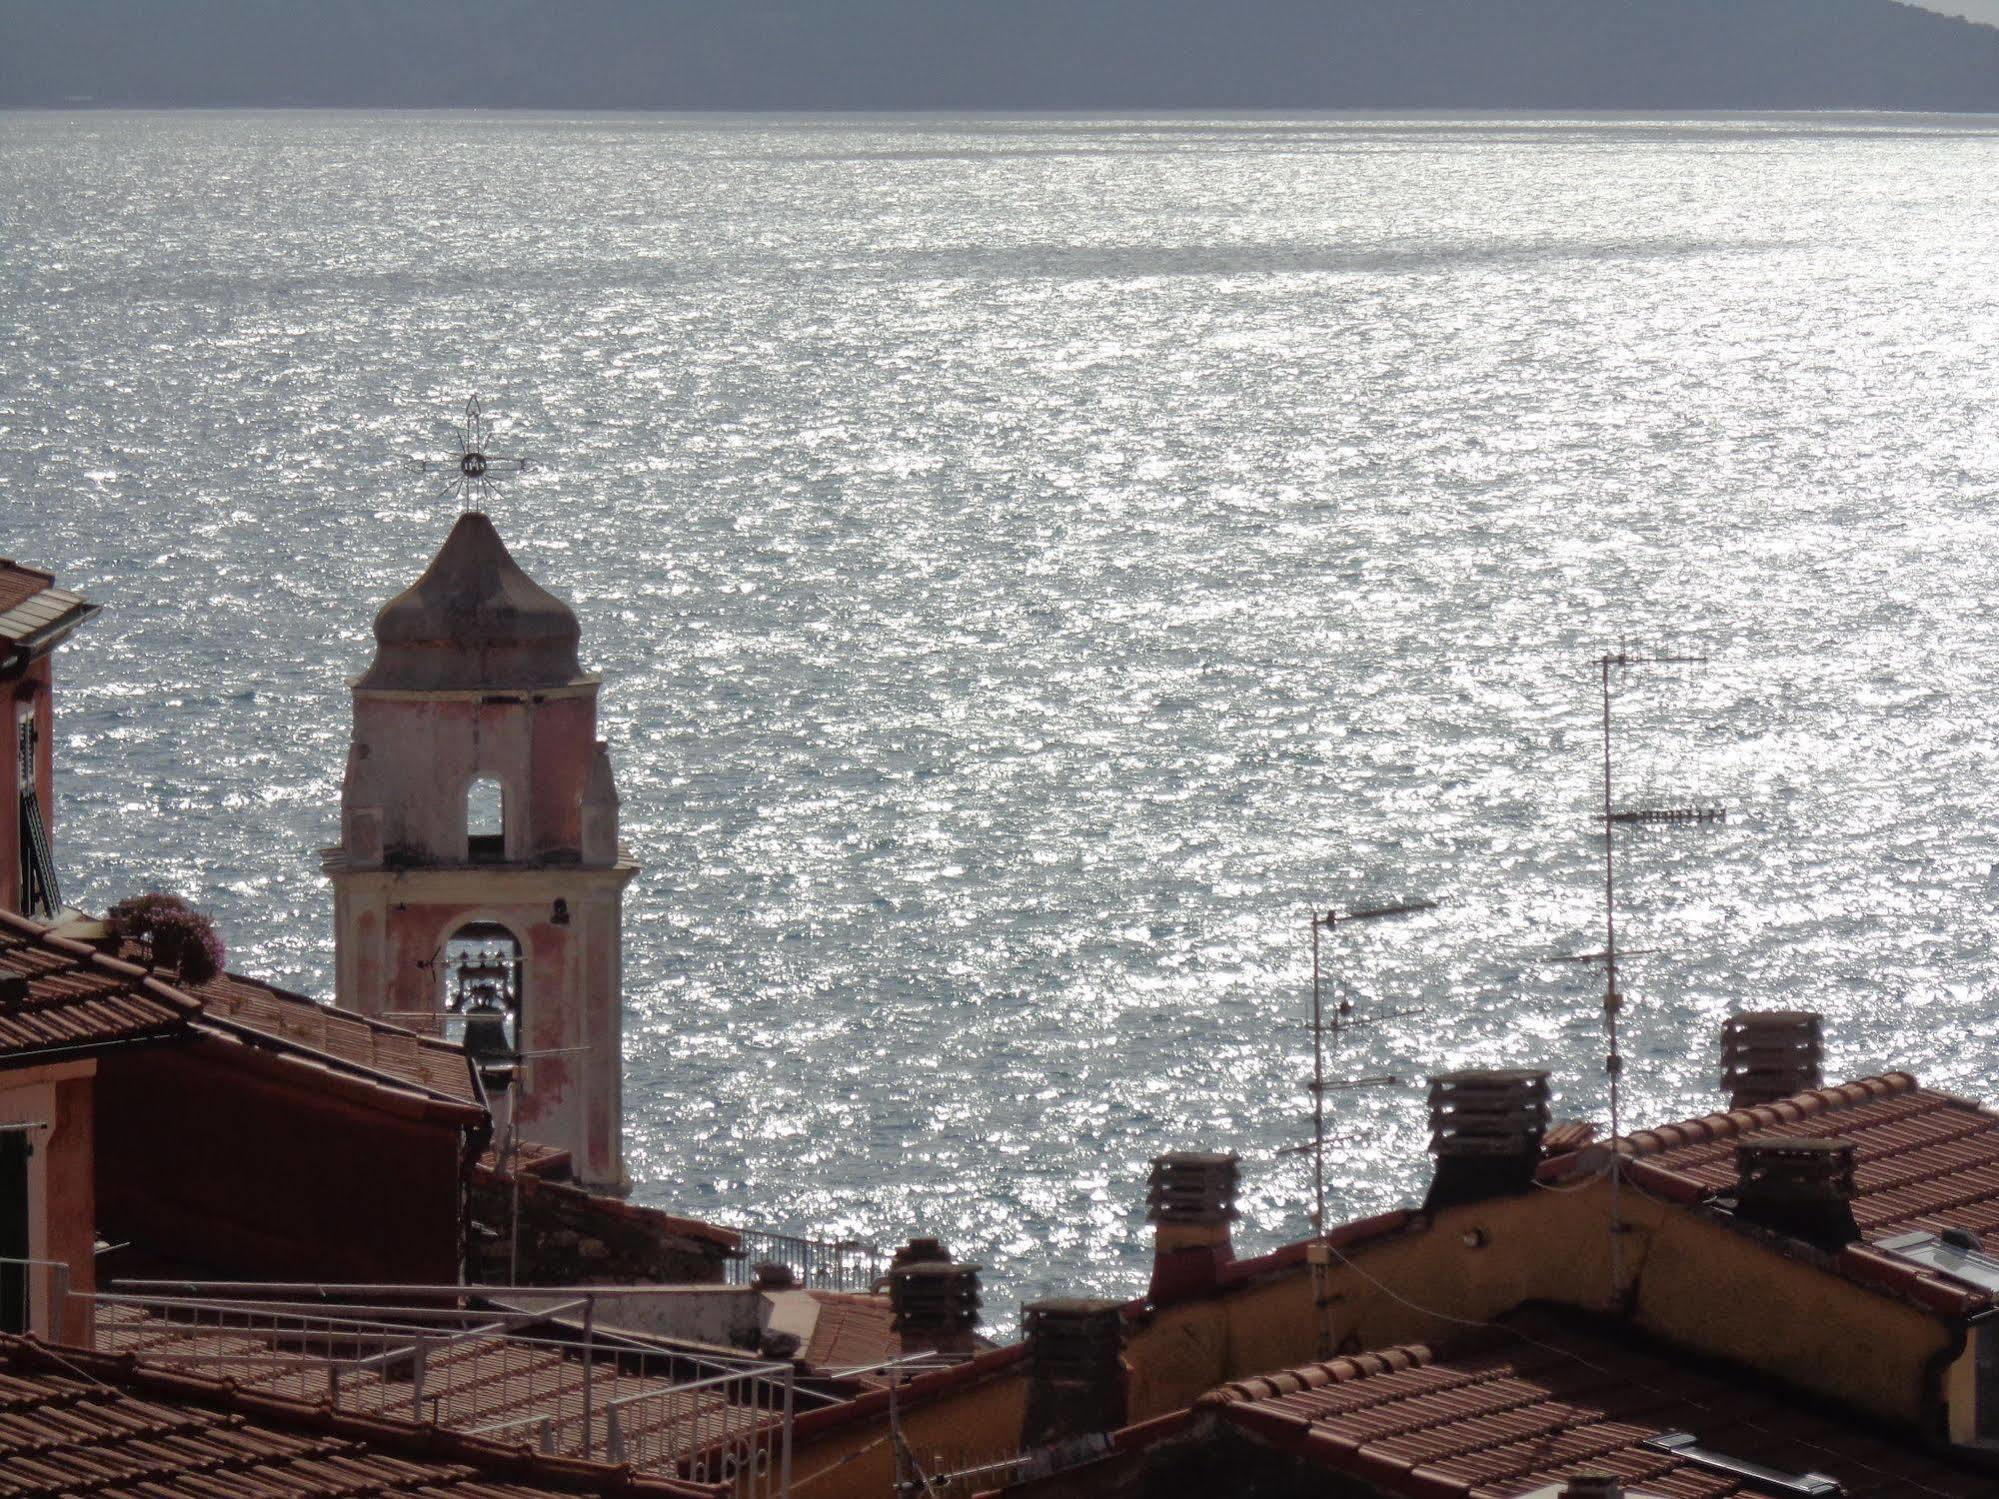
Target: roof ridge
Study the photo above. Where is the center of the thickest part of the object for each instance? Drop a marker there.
(1735, 1124)
(1344, 1370)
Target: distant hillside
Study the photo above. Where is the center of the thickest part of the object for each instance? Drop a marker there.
(999, 54)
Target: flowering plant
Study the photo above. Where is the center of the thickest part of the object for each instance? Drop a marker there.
(180, 937)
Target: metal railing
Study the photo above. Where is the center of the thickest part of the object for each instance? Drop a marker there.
(34, 1297)
(545, 1377)
(816, 1264)
(734, 1427)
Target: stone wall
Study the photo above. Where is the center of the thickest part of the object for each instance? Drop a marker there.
(569, 1236)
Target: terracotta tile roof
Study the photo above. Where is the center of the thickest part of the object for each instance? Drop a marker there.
(853, 1332)
(582, 1202)
(531, 1159)
(1498, 1416)
(469, 1384)
(78, 997)
(58, 997)
(423, 1063)
(18, 584)
(74, 1422)
(1923, 1160)
(31, 605)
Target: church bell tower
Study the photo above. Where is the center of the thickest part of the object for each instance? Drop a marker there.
(478, 867)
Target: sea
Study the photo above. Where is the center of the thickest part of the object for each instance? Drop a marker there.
(1036, 565)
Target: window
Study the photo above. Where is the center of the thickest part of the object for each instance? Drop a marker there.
(485, 821)
(40, 894)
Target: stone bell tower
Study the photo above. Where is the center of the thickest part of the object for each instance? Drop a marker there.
(478, 863)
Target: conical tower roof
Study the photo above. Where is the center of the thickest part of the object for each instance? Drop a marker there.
(474, 622)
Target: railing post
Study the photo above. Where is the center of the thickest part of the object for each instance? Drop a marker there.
(614, 1436)
(417, 1369)
(589, 1370)
(784, 1463)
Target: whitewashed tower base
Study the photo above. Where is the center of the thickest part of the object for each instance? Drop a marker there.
(477, 705)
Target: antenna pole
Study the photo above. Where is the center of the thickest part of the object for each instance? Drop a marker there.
(1612, 1001)
(1318, 1091)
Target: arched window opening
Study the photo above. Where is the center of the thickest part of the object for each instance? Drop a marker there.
(485, 821)
(482, 972)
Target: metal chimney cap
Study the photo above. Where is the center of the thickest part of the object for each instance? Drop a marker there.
(1491, 1076)
(1756, 1019)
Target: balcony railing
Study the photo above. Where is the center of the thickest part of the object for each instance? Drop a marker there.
(817, 1264)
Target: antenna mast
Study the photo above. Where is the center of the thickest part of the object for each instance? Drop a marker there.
(1342, 1022)
(1698, 815)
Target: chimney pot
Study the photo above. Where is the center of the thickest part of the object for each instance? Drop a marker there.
(1193, 1188)
(1075, 1351)
(1770, 1055)
(1191, 1202)
(936, 1305)
(1486, 1128)
(1800, 1187)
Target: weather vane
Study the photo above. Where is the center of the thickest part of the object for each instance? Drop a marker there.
(472, 468)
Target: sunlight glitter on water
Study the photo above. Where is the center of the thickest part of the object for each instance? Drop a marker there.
(1036, 561)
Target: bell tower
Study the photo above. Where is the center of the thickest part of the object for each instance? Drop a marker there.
(478, 863)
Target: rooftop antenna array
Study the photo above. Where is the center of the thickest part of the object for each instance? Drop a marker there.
(472, 468)
(1325, 1033)
(1686, 815)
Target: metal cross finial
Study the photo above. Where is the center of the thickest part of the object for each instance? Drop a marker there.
(472, 468)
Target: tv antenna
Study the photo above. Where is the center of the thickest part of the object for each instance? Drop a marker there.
(1690, 815)
(1325, 1033)
(472, 468)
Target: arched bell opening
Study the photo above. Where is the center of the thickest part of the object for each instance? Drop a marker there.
(482, 970)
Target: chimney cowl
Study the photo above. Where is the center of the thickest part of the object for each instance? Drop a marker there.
(921, 1252)
(1073, 1340)
(1193, 1188)
(1076, 1372)
(1486, 1129)
(933, 1299)
(1770, 1055)
(1801, 1187)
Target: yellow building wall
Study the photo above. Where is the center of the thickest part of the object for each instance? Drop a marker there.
(1420, 1286)
(1686, 1280)
(1710, 1288)
(975, 1423)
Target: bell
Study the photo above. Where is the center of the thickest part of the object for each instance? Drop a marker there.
(487, 1045)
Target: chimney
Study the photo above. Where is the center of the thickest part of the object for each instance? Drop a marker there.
(1191, 1202)
(1486, 1129)
(1593, 1486)
(1800, 1188)
(1076, 1376)
(1768, 1056)
(936, 1306)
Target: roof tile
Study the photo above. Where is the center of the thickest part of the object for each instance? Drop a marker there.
(1505, 1413)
